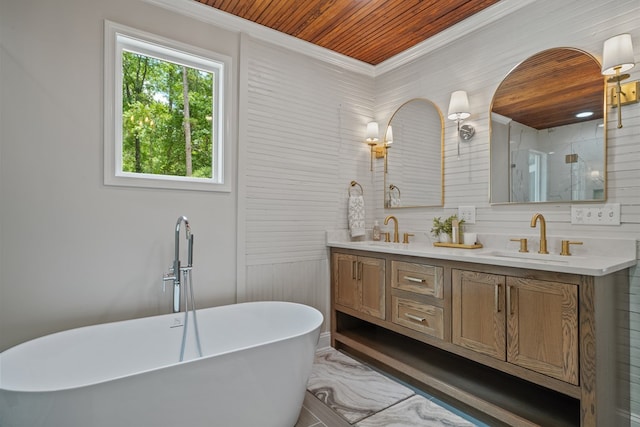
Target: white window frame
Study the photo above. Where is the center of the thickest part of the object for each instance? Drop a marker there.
(118, 38)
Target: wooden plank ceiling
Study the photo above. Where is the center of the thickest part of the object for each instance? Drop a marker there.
(549, 88)
(371, 31)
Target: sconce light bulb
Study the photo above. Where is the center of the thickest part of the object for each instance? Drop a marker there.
(372, 132)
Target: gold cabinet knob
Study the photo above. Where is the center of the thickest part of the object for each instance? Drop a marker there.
(523, 244)
(565, 247)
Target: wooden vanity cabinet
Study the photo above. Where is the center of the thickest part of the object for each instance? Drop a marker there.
(527, 322)
(359, 283)
(512, 346)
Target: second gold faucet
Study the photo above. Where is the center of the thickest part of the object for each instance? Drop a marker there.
(396, 238)
(543, 232)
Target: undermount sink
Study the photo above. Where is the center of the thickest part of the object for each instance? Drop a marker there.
(377, 243)
(387, 244)
(531, 256)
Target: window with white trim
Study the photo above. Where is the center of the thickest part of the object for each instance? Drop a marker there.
(165, 113)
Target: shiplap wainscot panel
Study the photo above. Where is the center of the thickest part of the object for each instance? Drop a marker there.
(305, 121)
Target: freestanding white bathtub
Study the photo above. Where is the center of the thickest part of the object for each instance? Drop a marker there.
(256, 363)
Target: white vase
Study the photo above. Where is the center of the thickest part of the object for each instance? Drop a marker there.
(444, 238)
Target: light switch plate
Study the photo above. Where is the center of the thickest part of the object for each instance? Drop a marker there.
(608, 214)
(467, 213)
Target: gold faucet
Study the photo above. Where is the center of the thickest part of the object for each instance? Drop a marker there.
(396, 239)
(543, 232)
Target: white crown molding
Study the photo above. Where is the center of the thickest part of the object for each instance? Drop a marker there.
(461, 29)
(227, 21)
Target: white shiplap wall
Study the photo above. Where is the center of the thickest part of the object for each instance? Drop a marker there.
(304, 120)
(477, 64)
(301, 141)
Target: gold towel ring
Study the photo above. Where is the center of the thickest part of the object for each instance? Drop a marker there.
(353, 184)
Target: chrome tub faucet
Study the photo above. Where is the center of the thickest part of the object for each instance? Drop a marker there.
(176, 268)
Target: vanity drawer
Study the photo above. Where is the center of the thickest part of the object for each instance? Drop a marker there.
(420, 317)
(418, 278)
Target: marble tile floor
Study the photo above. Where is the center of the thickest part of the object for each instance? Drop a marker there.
(344, 392)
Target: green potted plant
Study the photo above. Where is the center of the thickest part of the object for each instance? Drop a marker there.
(438, 228)
(441, 230)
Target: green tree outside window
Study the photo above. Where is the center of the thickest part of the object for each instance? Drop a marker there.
(167, 111)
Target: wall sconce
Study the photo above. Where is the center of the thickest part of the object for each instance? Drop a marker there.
(372, 139)
(617, 57)
(458, 111)
(378, 150)
(381, 150)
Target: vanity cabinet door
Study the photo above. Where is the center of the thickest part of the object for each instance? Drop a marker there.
(528, 322)
(372, 274)
(478, 317)
(345, 279)
(360, 283)
(542, 325)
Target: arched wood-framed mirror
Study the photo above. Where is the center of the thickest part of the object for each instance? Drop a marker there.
(540, 150)
(414, 164)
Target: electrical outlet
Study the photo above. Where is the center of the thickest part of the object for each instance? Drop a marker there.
(467, 213)
(608, 214)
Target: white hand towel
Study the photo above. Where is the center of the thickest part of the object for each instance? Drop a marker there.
(394, 201)
(356, 216)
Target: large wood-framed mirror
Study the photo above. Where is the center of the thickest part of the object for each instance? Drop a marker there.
(414, 163)
(540, 150)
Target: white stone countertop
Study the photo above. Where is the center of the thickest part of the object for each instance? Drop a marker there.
(595, 257)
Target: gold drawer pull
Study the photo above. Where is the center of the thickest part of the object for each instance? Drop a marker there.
(415, 318)
(414, 279)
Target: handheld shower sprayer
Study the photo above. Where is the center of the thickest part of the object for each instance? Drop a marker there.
(189, 238)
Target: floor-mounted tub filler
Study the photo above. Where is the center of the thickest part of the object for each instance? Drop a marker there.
(257, 358)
